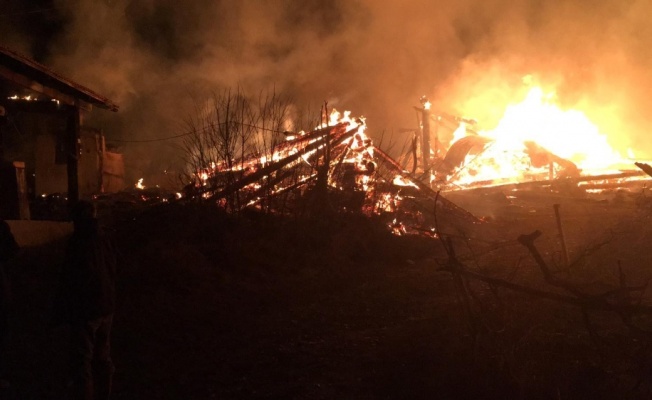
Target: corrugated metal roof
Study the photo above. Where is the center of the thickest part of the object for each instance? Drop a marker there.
(46, 77)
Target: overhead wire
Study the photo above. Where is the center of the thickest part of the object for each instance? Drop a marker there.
(154, 140)
(194, 132)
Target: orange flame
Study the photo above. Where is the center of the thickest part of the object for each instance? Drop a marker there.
(568, 134)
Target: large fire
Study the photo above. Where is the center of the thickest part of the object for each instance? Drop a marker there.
(537, 121)
(337, 164)
(340, 139)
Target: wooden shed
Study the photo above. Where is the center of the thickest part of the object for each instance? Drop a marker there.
(42, 110)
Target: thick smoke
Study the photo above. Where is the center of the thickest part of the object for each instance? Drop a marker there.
(158, 58)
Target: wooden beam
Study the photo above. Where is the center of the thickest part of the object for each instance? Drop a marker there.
(446, 204)
(645, 167)
(27, 83)
(34, 106)
(72, 145)
(425, 140)
(336, 135)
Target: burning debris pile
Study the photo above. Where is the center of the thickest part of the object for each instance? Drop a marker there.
(335, 167)
(338, 154)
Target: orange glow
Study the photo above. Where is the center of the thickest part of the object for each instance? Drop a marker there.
(401, 181)
(358, 153)
(568, 134)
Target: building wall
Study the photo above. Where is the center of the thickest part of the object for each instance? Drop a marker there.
(113, 170)
(94, 172)
(89, 164)
(49, 176)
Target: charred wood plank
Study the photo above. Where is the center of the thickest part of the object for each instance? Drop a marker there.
(337, 134)
(616, 185)
(543, 183)
(280, 191)
(645, 167)
(620, 175)
(446, 204)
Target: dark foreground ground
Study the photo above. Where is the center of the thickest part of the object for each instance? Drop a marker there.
(217, 308)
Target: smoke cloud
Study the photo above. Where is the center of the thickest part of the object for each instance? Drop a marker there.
(158, 58)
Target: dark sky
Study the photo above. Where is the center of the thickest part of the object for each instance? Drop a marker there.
(155, 58)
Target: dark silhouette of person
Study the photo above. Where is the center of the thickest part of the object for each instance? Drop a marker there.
(86, 301)
(8, 250)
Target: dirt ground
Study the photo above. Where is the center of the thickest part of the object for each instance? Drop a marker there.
(255, 307)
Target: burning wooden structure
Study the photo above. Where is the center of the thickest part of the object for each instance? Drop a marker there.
(334, 167)
(337, 161)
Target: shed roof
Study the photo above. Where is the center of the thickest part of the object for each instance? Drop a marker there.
(35, 76)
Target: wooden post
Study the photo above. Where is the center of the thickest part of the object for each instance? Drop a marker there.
(72, 141)
(100, 145)
(437, 150)
(425, 143)
(560, 228)
(415, 156)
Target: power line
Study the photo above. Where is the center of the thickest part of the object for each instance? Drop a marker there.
(193, 132)
(153, 140)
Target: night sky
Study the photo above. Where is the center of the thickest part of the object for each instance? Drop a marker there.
(159, 58)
